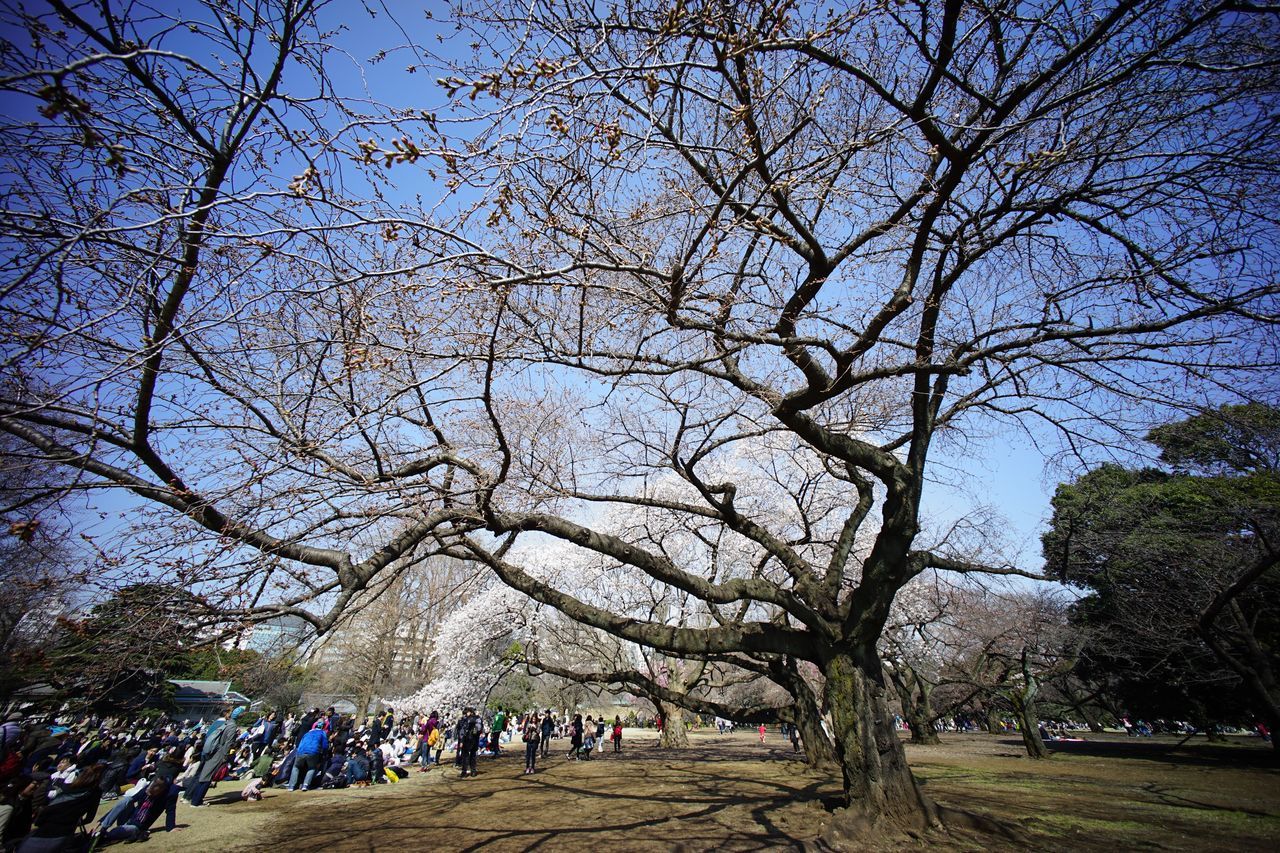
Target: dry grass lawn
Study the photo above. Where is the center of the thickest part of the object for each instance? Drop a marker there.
(730, 793)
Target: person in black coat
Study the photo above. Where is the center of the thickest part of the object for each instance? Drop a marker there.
(58, 821)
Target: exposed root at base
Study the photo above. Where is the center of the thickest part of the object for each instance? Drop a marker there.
(848, 829)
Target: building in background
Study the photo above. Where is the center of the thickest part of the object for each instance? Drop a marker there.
(203, 700)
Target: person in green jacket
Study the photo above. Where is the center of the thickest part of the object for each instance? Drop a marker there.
(495, 733)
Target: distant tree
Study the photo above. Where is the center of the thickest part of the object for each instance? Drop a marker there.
(277, 680)
(120, 655)
(39, 571)
(663, 230)
(1181, 564)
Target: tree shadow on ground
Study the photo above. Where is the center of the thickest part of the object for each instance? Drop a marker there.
(658, 800)
(1199, 754)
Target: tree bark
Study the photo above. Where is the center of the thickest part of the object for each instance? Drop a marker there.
(818, 749)
(995, 725)
(917, 710)
(674, 735)
(877, 782)
(922, 731)
(1024, 706)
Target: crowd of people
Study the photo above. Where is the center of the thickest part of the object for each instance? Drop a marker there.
(54, 775)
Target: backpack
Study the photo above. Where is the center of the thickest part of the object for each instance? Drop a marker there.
(468, 727)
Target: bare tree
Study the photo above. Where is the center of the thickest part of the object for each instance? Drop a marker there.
(767, 250)
(866, 230)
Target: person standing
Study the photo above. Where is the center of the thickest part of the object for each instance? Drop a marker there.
(532, 736)
(310, 758)
(267, 733)
(601, 727)
(468, 741)
(218, 741)
(762, 731)
(495, 732)
(575, 736)
(548, 726)
(617, 734)
(388, 723)
(795, 738)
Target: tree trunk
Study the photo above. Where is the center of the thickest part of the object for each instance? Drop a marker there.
(1252, 663)
(995, 725)
(921, 720)
(1029, 725)
(1082, 707)
(1090, 719)
(916, 710)
(674, 735)
(877, 781)
(922, 731)
(818, 750)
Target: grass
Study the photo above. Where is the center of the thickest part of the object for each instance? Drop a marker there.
(731, 793)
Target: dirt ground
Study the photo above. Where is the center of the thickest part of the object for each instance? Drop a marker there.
(730, 793)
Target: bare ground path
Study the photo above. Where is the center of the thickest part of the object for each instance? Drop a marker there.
(732, 794)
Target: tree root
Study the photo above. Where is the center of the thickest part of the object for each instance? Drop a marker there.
(848, 829)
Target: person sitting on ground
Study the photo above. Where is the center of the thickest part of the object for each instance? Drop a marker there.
(252, 792)
(133, 816)
(116, 774)
(358, 768)
(57, 822)
(262, 767)
(140, 760)
(335, 775)
(169, 764)
(281, 772)
(377, 765)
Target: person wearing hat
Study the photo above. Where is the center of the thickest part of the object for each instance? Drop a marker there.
(218, 741)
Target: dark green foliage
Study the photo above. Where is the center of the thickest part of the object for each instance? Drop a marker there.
(1231, 439)
(1180, 568)
(120, 656)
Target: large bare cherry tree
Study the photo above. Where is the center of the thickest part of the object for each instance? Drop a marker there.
(774, 250)
(869, 229)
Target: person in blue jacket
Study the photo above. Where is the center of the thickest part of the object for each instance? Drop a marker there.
(311, 751)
